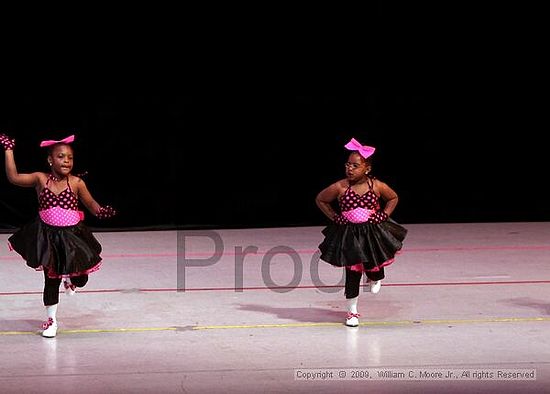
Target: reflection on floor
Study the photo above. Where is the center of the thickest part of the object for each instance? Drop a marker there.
(464, 308)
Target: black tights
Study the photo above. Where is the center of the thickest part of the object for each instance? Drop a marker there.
(353, 281)
(51, 287)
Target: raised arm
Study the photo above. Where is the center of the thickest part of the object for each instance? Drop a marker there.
(14, 177)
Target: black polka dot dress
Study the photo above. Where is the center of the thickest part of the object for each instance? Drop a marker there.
(365, 239)
(57, 241)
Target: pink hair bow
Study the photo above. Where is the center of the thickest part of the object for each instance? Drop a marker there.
(363, 150)
(67, 140)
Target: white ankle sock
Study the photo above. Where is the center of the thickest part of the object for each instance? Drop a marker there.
(352, 304)
(51, 311)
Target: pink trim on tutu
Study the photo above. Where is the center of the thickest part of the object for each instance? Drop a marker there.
(361, 268)
(53, 275)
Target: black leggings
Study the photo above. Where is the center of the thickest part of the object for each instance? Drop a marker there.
(353, 281)
(51, 287)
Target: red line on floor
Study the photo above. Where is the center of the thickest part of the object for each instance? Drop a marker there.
(516, 282)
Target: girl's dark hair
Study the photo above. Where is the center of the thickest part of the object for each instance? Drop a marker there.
(368, 160)
(52, 147)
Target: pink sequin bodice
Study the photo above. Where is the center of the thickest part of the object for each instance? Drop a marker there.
(358, 208)
(358, 215)
(58, 209)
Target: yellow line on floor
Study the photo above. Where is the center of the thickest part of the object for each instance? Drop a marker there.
(384, 323)
(282, 325)
(94, 331)
(294, 325)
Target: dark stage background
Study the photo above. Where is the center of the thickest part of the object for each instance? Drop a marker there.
(228, 161)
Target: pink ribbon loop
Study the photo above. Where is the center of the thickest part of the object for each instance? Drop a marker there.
(67, 140)
(363, 150)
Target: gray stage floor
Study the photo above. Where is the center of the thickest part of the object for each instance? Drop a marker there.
(464, 308)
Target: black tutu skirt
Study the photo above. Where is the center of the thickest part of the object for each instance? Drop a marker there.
(60, 251)
(374, 245)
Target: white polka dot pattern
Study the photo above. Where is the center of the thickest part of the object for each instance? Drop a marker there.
(58, 209)
(358, 215)
(60, 217)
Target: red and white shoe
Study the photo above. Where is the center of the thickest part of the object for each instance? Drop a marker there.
(352, 319)
(50, 328)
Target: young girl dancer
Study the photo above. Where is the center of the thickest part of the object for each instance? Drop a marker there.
(361, 237)
(57, 241)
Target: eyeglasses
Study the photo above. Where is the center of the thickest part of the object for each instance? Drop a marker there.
(352, 165)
